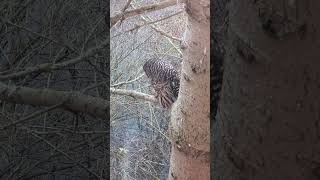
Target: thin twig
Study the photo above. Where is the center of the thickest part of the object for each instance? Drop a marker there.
(150, 23)
(8, 22)
(32, 115)
(55, 148)
(144, 9)
(158, 29)
(127, 82)
(47, 67)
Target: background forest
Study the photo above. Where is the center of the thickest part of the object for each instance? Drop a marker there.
(55, 52)
(54, 78)
(140, 148)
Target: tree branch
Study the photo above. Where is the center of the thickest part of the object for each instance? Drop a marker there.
(134, 94)
(45, 67)
(159, 29)
(8, 22)
(126, 5)
(55, 148)
(32, 115)
(153, 22)
(127, 82)
(148, 8)
(72, 101)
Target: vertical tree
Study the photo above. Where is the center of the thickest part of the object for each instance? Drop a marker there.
(268, 123)
(190, 114)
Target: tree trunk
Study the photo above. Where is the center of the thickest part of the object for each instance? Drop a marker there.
(190, 115)
(268, 124)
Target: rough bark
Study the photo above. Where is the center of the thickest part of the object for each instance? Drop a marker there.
(268, 123)
(190, 114)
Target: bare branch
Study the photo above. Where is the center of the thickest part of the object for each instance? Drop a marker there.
(148, 8)
(153, 26)
(157, 30)
(47, 67)
(127, 82)
(72, 101)
(37, 34)
(32, 115)
(63, 153)
(134, 94)
(126, 5)
(166, 34)
(93, 86)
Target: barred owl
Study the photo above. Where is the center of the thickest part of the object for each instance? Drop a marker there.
(165, 80)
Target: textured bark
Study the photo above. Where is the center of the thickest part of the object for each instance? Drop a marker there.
(268, 123)
(190, 114)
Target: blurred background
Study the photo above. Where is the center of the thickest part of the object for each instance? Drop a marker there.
(39, 142)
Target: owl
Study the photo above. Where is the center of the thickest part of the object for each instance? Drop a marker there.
(165, 80)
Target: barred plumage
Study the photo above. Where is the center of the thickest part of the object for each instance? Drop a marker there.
(165, 80)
